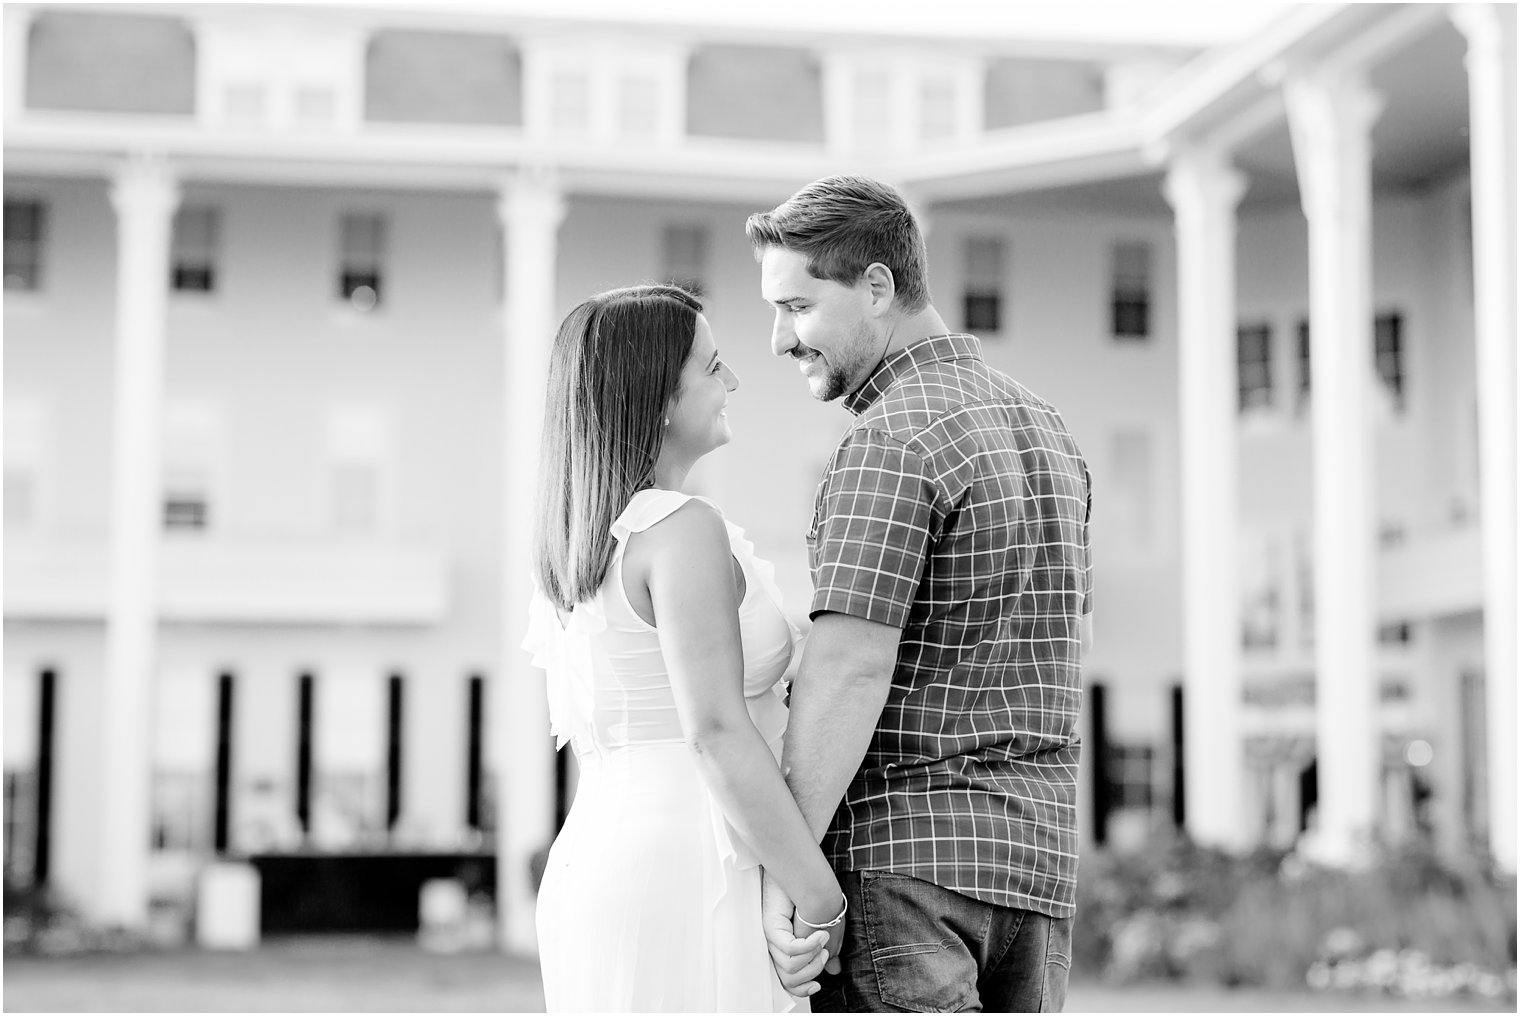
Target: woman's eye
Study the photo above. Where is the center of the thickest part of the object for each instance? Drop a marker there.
(717, 366)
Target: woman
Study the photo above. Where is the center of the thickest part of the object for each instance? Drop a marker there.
(665, 644)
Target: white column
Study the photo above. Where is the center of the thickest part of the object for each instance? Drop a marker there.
(531, 209)
(145, 195)
(1491, 87)
(18, 34)
(1203, 190)
(1331, 121)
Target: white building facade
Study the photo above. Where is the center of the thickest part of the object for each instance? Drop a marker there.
(280, 284)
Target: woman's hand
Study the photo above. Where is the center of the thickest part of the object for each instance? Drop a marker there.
(835, 941)
(798, 957)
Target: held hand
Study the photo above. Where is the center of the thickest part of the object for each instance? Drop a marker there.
(835, 936)
(798, 959)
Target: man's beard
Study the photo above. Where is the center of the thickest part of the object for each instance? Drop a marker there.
(836, 380)
(834, 384)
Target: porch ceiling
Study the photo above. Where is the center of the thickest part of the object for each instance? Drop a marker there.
(1420, 138)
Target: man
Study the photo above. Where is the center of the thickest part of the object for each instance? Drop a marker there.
(932, 743)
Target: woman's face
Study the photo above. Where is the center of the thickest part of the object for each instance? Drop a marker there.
(698, 423)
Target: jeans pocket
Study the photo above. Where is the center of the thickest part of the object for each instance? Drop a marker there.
(919, 964)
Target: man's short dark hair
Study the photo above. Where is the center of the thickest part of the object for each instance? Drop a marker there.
(843, 224)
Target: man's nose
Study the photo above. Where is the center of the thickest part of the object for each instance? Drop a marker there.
(783, 339)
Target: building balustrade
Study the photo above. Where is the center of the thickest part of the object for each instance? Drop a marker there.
(213, 580)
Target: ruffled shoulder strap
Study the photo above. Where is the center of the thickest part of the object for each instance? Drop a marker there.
(649, 506)
(764, 572)
(562, 646)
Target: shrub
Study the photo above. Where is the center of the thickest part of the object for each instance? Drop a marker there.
(1409, 923)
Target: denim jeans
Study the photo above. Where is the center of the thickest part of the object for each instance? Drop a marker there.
(911, 946)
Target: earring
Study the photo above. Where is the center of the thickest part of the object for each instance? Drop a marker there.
(667, 421)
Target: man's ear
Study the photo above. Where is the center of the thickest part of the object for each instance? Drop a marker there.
(881, 286)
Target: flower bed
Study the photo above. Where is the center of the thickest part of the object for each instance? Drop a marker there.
(1407, 923)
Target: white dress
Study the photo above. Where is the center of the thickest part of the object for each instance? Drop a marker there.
(651, 900)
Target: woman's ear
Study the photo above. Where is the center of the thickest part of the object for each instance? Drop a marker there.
(881, 286)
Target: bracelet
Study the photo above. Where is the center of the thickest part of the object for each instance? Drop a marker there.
(828, 924)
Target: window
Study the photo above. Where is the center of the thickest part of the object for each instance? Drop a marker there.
(187, 498)
(1254, 348)
(362, 260)
(686, 257)
(316, 105)
(358, 450)
(1388, 347)
(1131, 290)
(191, 451)
(1388, 353)
(638, 106)
(243, 103)
(984, 284)
(874, 114)
(937, 108)
(194, 249)
(570, 97)
(25, 234)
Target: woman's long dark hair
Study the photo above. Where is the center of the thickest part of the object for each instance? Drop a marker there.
(615, 366)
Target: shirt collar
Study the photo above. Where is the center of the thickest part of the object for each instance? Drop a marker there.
(934, 349)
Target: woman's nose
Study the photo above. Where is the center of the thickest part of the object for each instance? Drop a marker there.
(730, 379)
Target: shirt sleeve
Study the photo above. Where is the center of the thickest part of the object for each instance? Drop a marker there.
(871, 536)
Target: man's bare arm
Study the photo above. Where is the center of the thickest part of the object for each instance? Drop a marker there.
(837, 699)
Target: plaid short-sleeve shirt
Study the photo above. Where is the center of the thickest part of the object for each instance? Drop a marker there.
(956, 508)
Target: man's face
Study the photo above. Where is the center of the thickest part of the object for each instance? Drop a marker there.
(820, 324)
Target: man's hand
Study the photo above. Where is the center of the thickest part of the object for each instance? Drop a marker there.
(798, 959)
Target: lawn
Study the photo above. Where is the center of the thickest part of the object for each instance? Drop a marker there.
(393, 975)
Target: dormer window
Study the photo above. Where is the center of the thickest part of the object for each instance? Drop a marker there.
(638, 105)
(571, 109)
(937, 100)
(606, 91)
(273, 71)
(887, 102)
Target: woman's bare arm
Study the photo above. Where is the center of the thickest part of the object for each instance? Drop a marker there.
(687, 563)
